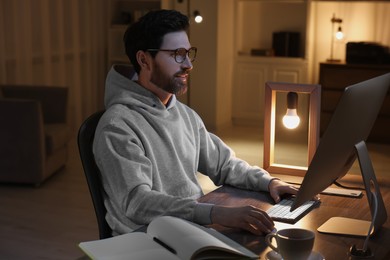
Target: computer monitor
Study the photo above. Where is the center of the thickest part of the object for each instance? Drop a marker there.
(343, 141)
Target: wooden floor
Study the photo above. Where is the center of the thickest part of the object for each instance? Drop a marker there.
(49, 221)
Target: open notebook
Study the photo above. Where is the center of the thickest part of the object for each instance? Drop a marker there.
(168, 238)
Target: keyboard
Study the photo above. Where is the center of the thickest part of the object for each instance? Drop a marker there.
(281, 211)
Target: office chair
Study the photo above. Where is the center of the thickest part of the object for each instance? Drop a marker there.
(85, 140)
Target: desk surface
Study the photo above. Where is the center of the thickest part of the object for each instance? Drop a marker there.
(330, 246)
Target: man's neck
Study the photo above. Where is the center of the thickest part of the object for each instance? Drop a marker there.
(160, 93)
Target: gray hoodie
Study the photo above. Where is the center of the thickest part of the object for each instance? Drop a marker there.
(149, 154)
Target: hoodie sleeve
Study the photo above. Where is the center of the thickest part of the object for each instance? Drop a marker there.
(219, 162)
(127, 175)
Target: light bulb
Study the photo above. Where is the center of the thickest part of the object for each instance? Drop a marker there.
(339, 34)
(198, 17)
(291, 120)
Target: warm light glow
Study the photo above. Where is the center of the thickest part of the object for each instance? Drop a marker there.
(198, 18)
(291, 120)
(339, 34)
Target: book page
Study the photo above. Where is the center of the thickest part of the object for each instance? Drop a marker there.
(190, 240)
(136, 245)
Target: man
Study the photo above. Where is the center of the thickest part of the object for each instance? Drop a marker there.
(149, 146)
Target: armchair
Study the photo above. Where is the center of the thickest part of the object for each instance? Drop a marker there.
(33, 132)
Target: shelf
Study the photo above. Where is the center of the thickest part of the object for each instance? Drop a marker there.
(256, 23)
(128, 11)
(121, 14)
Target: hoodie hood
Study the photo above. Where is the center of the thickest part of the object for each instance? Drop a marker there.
(122, 89)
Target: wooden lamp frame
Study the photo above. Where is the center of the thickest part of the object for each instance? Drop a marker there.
(271, 89)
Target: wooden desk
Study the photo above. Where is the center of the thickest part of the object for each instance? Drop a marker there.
(330, 246)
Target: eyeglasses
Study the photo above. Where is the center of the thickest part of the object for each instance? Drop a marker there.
(181, 54)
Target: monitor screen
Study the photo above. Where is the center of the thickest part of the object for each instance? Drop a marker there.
(350, 124)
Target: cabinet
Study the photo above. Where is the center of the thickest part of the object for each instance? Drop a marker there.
(256, 23)
(251, 73)
(334, 77)
(121, 14)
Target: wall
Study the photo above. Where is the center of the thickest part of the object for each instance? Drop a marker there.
(211, 79)
(225, 57)
(203, 77)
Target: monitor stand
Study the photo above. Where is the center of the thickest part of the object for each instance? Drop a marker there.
(357, 227)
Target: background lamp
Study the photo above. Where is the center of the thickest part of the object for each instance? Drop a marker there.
(291, 120)
(338, 35)
(313, 92)
(198, 17)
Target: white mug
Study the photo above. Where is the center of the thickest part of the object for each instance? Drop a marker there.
(292, 243)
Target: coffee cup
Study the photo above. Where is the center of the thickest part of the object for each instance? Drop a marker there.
(292, 243)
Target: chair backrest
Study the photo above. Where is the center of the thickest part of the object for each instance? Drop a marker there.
(85, 141)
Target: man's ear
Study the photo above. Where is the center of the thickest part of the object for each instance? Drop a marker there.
(143, 59)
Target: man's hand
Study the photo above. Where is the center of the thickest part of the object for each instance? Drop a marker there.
(248, 218)
(277, 188)
(251, 218)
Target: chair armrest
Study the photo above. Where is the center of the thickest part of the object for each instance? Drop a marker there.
(22, 147)
(53, 99)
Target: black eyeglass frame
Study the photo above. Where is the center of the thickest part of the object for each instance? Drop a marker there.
(177, 53)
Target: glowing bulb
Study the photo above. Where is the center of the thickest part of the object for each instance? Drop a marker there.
(339, 34)
(291, 120)
(198, 17)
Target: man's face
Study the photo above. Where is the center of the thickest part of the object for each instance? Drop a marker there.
(168, 74)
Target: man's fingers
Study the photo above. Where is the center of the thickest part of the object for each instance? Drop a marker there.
(260, 220)
(256, 226)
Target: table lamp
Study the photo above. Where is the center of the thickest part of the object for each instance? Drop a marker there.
(290, 121)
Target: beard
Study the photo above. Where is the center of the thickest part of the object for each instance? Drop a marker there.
(171, 84)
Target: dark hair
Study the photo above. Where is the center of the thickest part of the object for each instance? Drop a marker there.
(149, 30)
